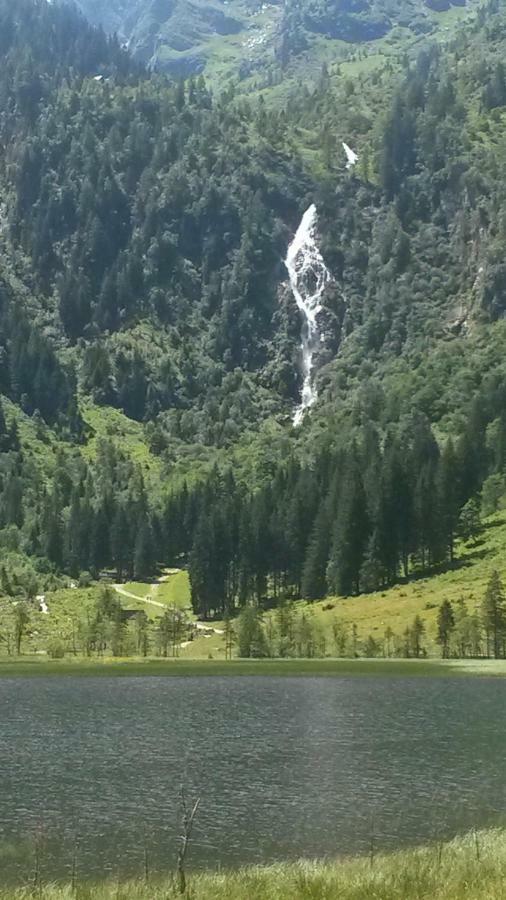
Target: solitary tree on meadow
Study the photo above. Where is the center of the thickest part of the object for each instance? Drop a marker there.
(417, 633)
(445, 627)
(21, 620)
(388, 638)
(493, 610)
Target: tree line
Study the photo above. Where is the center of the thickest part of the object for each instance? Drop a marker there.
(357, 520)
(463, 629)
(358, 517)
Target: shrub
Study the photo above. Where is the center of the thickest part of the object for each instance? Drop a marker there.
(56, 649)
(85, 579)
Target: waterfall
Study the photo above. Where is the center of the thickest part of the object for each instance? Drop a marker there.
(309, 277)
(351, 156)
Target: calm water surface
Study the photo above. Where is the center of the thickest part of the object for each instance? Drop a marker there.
(284, 767)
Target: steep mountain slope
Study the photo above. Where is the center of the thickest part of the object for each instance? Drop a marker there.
(260, 43)
(144, 228)
(418, 262)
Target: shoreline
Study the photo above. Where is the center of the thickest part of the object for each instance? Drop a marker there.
(26, 667)
(471, 866)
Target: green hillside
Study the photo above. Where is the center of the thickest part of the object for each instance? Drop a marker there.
(150, 349)
(335, 627)
(256, 45)
(396, 608)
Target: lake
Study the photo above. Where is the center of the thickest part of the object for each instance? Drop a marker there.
(285, 767)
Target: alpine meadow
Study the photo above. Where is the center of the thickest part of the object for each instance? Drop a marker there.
(252, 433)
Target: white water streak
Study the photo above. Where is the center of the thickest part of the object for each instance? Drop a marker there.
(309, 277)
(351, 156)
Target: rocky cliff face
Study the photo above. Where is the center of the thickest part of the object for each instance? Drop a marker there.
(165, 33)
(234, 38)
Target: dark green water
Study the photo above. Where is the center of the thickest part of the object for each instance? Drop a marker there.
(284, 767)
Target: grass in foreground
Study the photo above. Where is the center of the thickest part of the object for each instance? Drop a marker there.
(472, 867)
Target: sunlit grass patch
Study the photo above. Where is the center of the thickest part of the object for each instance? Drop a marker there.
(174, 589)
(141, 589)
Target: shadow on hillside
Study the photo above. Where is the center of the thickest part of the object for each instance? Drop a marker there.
(470, 559)
(497, 523)
(478, 551)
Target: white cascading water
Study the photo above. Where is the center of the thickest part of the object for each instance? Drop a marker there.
(309, 277)
(351, 156)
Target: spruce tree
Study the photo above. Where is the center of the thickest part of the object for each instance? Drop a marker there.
(4, 436)
(417, 633)
(143, 553)
(251, 640)
(447, 489)
(445, 627)
(469, 522)
(351, 533)
(372, 572)
(314, 580)
(493, 611)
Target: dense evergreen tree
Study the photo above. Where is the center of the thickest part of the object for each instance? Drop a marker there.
(445, 627)
(145, 224)
(494, 616)
(351, 532)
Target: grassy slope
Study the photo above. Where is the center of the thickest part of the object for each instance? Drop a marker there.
(225, 55)
(397, 607)
(106, 423)
(472, 867)
(372, 613)
(139, 588)
(39, 443)
(172, 589)
(67, 607)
